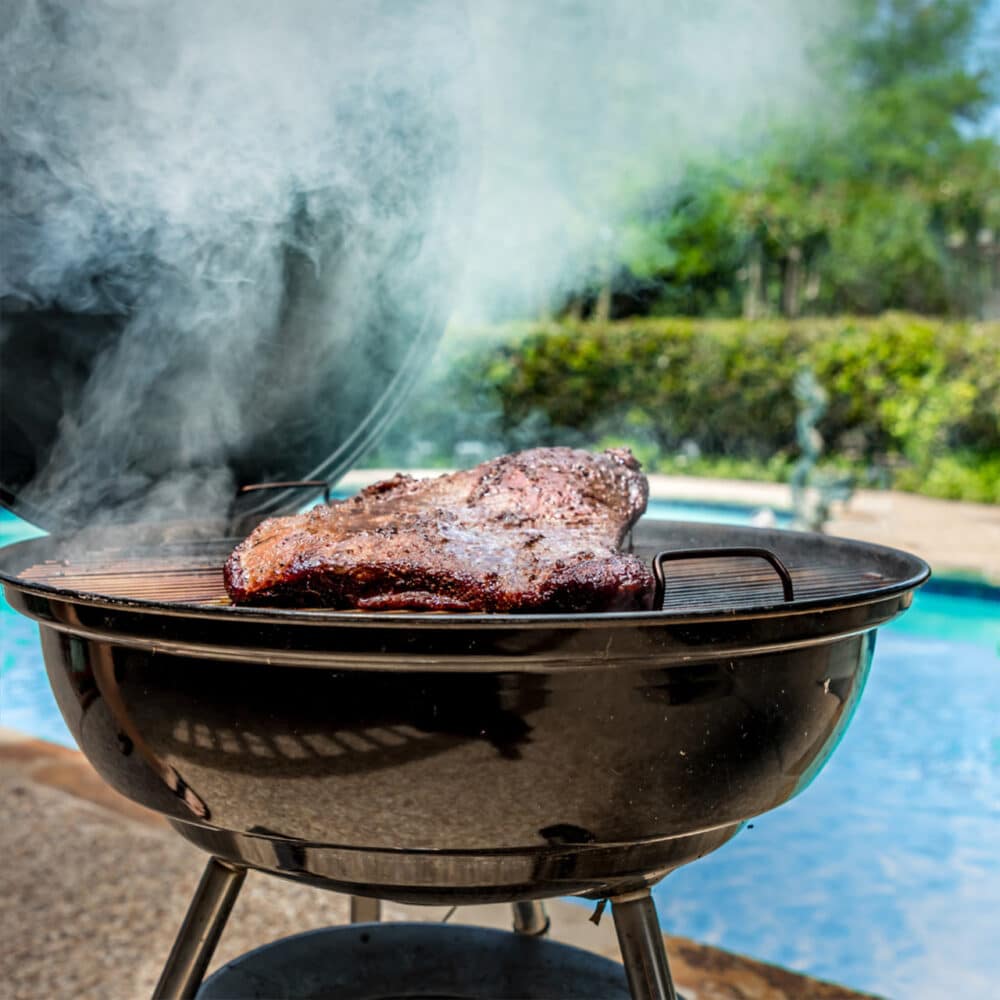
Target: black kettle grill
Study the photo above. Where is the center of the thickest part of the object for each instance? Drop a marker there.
(431, 758)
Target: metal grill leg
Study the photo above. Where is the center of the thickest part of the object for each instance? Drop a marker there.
(530, 918)
(365, 910)
(199, 934)
(641, 943)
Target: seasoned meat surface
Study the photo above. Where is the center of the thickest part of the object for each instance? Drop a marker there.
(538, 530)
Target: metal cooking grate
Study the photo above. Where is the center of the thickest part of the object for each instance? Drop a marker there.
(718, 584)
(169, 582)
(725, 583)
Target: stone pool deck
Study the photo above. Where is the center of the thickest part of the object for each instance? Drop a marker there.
(955, 538)
(93, 888)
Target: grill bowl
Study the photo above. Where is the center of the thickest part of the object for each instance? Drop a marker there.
(445, 758)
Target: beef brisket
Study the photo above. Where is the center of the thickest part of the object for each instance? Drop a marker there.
(538, 530)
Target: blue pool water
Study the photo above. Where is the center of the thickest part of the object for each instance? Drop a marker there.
(884, 874)
(718, 513)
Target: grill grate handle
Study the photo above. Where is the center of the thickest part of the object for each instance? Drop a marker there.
(719, 552)
(291, 484)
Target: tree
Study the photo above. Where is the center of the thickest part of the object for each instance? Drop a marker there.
(886, 198)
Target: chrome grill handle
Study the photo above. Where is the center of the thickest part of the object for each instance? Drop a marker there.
(719, 552)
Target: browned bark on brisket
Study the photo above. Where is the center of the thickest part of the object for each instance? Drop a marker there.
(538, 530)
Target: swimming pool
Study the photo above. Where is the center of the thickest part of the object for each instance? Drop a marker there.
(884, 874)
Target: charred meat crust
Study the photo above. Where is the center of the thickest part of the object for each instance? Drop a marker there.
(535, 531)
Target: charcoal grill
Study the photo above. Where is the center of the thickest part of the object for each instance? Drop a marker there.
(460, 758)
(430, 758)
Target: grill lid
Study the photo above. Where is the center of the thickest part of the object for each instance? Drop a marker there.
(315, 429)
(125, 393)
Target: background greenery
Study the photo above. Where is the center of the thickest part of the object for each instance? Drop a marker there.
(886, 200)
(887, 197)
(911, 402)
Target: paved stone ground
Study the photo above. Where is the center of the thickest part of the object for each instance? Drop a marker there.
(954, 537)
(93, 888)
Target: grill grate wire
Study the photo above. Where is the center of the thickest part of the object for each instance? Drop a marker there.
(689, 585)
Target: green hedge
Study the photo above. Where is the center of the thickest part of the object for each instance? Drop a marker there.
(912, 402)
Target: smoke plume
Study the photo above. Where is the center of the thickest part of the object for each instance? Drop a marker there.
(230, 229)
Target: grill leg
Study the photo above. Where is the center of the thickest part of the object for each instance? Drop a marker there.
(365, 910)
(641, 944)
(199, 934)
(530, 918)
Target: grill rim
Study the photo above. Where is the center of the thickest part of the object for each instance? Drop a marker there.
(919, 573)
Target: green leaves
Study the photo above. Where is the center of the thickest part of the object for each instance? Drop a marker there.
(904, 392)
(911, 401)
(876, 202)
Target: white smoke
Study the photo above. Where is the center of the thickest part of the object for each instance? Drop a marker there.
(217, 183)
(588, 106)
(252, 196)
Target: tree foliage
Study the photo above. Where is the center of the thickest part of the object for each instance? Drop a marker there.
(911, 401)
(889, 198)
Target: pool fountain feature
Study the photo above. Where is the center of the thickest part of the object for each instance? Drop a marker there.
(812, 494)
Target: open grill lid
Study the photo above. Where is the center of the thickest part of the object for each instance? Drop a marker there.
(316, 433)
(126, 392)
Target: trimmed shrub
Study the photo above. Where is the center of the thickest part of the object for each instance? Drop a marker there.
(912, 402)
